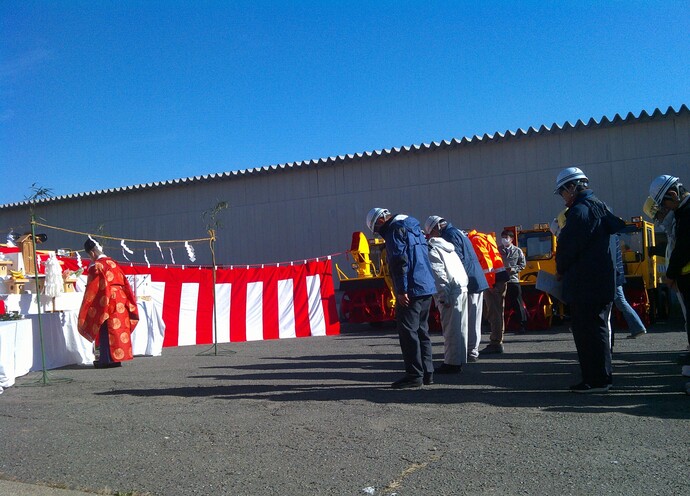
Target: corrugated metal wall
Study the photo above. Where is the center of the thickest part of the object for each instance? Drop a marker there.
(310, 210)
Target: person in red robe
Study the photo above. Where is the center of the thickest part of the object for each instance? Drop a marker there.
(108, 313)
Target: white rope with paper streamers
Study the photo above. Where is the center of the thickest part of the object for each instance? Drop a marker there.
(78, 259)
(98, 245)
(125, 249)
(146, 259)
(190, 252)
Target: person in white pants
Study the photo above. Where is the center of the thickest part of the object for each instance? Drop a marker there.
(475, 311)
(451, 299)
(477, 281)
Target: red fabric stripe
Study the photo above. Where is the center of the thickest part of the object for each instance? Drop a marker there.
(302, 325)
(204, 309)
(270, 302)
(238, 308)
(171, 309)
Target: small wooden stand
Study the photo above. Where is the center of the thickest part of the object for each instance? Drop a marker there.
(5, 266)
(70, 284)
(15, 286)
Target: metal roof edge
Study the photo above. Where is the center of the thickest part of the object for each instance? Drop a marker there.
(495, 137)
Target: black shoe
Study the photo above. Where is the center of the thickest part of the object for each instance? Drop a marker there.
(493, 348)
(446, 368)
(472, 359)
(407, 383)
(428, 379)
(100, 365)
(583, 387)
(521, 330)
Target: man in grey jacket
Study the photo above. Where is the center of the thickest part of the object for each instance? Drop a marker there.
(514, 262)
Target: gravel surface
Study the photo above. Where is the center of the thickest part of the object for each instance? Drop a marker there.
(316, 416)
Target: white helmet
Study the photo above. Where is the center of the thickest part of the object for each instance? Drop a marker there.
(660, 186)
(374, 215)
(432, 222)
(568, 175)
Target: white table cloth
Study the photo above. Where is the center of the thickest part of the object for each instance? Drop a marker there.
(62, 342)
(20, 340)
(16, 350)
(147, 338)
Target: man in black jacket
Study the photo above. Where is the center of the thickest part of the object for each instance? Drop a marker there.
(585, 264)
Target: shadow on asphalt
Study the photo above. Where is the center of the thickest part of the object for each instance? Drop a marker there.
(646, 384)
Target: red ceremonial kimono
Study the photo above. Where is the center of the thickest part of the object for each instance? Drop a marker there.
(109, 298)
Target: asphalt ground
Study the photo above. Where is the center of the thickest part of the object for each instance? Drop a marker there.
(316, 416)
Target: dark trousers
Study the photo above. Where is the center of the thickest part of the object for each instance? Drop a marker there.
(104, 344)
(514, 301)
(413, 331)
(590, 323)
(684, 290)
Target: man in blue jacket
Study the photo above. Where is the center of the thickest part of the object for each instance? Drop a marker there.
(475, 273)
(585, 264)
(408, 261)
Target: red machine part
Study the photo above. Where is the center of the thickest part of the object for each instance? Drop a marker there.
(365, 305)
(537, 306)
(639, 301)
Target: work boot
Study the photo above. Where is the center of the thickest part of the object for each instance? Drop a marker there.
(100, 365)
(407, 383)
(446, 368)
(493, 348)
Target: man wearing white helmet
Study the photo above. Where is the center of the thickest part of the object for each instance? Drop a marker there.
(665, 221)
(477, 281)
(451, 301)
(669, 193)
(585, 264)
(410, 270)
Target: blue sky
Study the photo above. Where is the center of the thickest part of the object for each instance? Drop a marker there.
(96, 95)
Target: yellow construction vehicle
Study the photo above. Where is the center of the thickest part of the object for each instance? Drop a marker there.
(368, 296)
(539, 246)
(642, 289)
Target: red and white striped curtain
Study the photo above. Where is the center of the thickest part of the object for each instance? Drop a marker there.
(253, 303)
